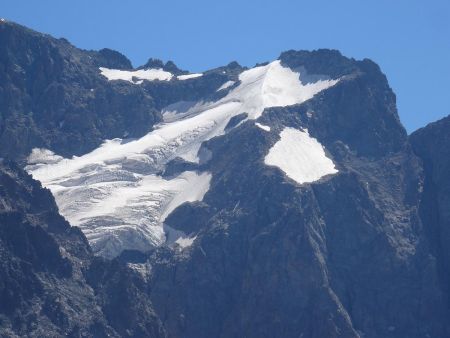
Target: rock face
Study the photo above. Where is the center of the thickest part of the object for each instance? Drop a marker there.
(51, 285)
(432, 145)
(345, 256)
(53, 96)
(267, 249)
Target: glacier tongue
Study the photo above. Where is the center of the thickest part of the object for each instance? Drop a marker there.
(115, 194)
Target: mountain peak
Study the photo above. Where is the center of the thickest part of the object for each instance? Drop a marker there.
(113, 59)
(169, 66)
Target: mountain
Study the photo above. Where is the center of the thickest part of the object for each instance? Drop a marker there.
(432, 145)
(282, 200)
(51, 283)
(52, 95)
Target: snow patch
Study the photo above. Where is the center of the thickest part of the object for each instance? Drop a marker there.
(42, 156)
(273, 85)
(189, 76)
(136, 76)
(300, 156)
(225, 85)
(263, 127)
(185, 242)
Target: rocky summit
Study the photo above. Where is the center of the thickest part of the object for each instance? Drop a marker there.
(282, 200)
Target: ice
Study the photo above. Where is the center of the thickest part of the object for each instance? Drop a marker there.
(300, 156)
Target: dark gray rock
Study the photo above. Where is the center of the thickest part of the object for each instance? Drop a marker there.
(432, 145)
(51, 285)
(109, 58)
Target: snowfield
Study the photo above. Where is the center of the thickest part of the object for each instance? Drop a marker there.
(300, 156)
(137, 76)
(116, 193)
(141, 74)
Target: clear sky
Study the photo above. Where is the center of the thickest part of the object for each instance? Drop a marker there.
(409, 39)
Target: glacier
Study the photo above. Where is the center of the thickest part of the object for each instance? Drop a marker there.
(116, 193)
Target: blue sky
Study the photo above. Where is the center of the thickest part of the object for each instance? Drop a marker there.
(409, 39)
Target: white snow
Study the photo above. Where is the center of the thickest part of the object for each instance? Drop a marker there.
(185, 242)
(263, 127)
(189, 76)
(300, 156)
(274, 86)
(140, 74)
(43, 156)
(115, 194)
(118, 201)
(225, 85)
(195, 187)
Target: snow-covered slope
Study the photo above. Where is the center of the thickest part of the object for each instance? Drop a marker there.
(116, 194)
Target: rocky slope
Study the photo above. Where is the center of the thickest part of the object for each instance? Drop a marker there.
(51, 285)
(284, 200)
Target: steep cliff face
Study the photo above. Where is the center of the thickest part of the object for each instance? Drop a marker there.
(432, 145)
(51, 284)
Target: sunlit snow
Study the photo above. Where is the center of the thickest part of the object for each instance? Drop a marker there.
(226, 85)
(262, 126)
(189, 76)
(137, 76)
(300, 156)
(115, 193)
(185, 242)
(140, 74)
